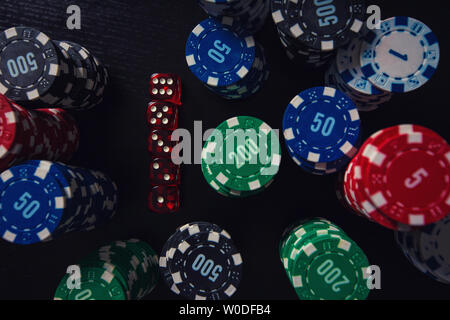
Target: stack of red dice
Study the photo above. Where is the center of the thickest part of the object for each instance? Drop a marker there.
(162, 117)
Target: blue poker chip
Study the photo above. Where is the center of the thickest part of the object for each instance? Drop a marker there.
(321, 125)
(32, 203)
(217, 55)
(401, 56)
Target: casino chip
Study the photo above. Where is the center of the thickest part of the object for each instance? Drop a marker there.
(345, 74)
(427, 249)
(241, 157)
(401, 56)
(313, 251)
(310, 30)
(200, 262)
(400, 178)
(38, 72)
(50, 134)
(227, 63)
(250, 15)
(40, 200)
(321, 127)
(122, 270)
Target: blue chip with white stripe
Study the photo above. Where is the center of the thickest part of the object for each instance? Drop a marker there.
(32, 203)
(321, 125)
(218, 56)
(401, 56)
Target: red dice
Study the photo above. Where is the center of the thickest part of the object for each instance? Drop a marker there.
(165, 87)
(164, 172)
(164, 199)
(162, 115)
(160, 144)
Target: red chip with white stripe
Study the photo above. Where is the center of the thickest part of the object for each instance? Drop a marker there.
(407, 176)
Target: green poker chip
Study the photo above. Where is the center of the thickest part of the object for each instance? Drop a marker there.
(241, 157)
(96, 284)
(330, 267)
(323, 263)
(130, 267)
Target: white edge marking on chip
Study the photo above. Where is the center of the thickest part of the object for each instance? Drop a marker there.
(243, 71)
(348, 149)
(198, 30)
(329, 92)
(43, 234)
(254, 185)
(237, 259)
(212, 81)
(405, 129)
(327, 45)
(230, 290)
(10, 33)
(313, 157)
(175, 289)
(225, 234)
(3, 89)
(416, 219)
(277, 17)
(297, 281)
(222, 178)
(190, 59)
(8, 235)
(357, 26)
(296, 30)
(183, 246)
(265, 128)
(357, 173)
(176, 277)
(213, 237)
(344, 245)
(250, 41)
(233, 122)
(197, 297)
(378, 199)
(276, 160)
(297, 101)
(42, 38)
(289, 134)
(354, 114)
(33, 94)
(194, 229)
(214, 185)
(416, 137)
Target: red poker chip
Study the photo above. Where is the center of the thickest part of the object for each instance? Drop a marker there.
(407, 175)
(50, 134)
(366, 205)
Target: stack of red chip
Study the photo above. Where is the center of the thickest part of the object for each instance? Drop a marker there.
(162, 117)
(42, 134)
(400, 178)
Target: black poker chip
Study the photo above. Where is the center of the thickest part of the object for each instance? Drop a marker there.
(38, 72)
(201, 262)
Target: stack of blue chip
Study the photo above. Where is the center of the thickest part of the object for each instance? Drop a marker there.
(321, 127)
(249, 15)
(228, 64)
(346, 75)
(40, 200)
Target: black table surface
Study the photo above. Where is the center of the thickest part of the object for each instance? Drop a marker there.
(140, 37)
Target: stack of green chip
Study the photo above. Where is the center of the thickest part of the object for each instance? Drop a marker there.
(123, 270)
(323, 263)
(241, 157)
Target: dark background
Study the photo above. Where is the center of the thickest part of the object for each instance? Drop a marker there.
(140, 37)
